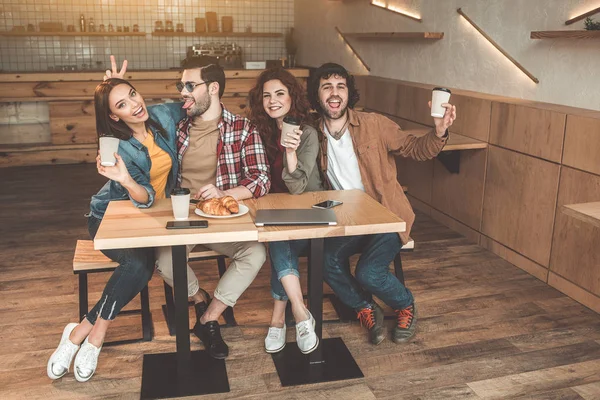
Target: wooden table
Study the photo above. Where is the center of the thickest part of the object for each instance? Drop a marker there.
(187, 373)
(358, 215)
(586, 212)
(183, 373)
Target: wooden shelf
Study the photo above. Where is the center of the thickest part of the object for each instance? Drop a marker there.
(565, 34)
(219, 34)
(586, 212)
(72, 34)
(396, 35)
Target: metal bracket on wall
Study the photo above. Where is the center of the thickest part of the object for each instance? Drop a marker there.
(450, 160)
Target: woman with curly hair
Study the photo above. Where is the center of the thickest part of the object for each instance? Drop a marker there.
(294, 170)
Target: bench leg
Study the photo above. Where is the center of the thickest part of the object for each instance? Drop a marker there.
(398, 268)
(83, 296)
(169, 309)
(146, 316)
(228, 314)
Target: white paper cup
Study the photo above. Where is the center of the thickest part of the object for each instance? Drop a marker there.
(289, 124)
(108, 147)
(438, 97)
(180, 200)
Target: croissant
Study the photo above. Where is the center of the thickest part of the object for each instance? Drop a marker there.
(230, 203)
(213, 207)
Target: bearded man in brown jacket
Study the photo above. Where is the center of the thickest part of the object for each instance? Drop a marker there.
(358, 151)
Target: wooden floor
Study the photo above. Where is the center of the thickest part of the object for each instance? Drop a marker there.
(486, 328)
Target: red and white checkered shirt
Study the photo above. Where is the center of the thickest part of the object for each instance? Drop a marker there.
(241, 155)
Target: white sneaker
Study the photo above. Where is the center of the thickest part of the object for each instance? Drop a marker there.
(86, 361)
(60, 361)
(306, 337)
(275, 340)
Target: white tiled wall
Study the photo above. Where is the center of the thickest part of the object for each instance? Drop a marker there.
(147, 52)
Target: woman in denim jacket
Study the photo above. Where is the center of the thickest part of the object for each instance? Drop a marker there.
(146, 169)
(294, 170)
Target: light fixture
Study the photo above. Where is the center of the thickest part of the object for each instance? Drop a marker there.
(384, 5)
(497, 46)
(582, 16)
(352, 49)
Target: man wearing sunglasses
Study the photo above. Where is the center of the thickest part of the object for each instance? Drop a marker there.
(219, 154)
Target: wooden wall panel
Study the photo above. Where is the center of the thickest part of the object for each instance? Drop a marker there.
(582, 143)
(413, 104)
(361, 86)
(72, 122)
(48, 155)
(514, 258)
(472, 116)
(417, 175)
(575, 292)
(382, 96)
(470, 234)
(529, 130)
(576, 244)
(519, 202)
(461, 195)
(148, 88)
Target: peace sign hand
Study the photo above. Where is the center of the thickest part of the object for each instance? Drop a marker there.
(115, 73)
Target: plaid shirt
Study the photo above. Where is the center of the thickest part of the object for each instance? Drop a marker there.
(241, 156)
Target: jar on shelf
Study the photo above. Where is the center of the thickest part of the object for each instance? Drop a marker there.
(136, 28)
(111, 28)
(125, 29)
(169, 26)
(158, 26)
(179, 27)
(101, 28)
(119, 29)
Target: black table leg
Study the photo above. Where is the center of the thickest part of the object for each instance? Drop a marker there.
(331, 361)
(183, 373)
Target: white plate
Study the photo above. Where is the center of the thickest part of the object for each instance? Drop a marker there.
(243, 211)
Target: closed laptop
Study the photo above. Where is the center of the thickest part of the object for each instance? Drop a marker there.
(311, 216)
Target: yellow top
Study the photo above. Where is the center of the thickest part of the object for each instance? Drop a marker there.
(161, 165)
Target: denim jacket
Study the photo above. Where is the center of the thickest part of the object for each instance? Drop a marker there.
(136, 158)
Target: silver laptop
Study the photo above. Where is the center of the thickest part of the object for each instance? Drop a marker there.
(311, 216)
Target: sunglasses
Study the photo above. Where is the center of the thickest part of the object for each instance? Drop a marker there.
(189, 86)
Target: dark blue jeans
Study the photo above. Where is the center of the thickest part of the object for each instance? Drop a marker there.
(131, 276)
(284, 261)
(373, 275)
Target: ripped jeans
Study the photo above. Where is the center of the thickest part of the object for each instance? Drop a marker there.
(131, 276)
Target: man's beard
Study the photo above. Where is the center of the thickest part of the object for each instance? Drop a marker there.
(333, 115)
(200, 106)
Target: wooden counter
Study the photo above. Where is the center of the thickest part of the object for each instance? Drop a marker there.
(61, 128)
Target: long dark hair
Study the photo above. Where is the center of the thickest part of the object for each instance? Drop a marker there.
(267, 126)
(325, 71)
(105, 125)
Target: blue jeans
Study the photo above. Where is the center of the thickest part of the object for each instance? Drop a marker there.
(284, 261)
(128, 279)
(373, 274)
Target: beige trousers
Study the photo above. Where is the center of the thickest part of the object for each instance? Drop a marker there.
(246, 260)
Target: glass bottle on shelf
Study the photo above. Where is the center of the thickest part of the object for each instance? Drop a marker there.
(91, 25)
(82, 25)
(111, 28)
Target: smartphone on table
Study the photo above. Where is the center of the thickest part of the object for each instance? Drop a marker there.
(196, 223)
(327, 204)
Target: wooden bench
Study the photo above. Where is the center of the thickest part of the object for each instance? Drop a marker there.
(198, 253)
(86, 261)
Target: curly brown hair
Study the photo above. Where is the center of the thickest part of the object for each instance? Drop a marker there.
(267, 127)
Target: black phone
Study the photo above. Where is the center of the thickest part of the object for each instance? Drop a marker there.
(327, 204)
(196, 223)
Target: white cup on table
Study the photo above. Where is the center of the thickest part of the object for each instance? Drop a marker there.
(180, 200)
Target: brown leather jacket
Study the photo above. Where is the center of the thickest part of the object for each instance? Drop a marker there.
(377, 140)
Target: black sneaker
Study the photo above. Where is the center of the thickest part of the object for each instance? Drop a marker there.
(200, 308)
(406, 325)
(372, 318)
(210, 335)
